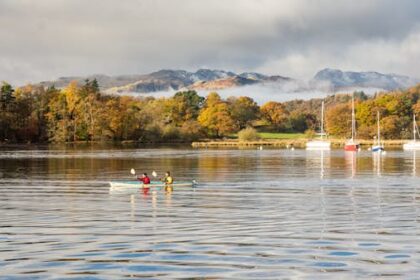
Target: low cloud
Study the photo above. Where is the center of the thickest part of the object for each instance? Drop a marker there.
(262, 93)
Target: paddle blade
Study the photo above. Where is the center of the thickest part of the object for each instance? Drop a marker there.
(154, 174)
(132, 171)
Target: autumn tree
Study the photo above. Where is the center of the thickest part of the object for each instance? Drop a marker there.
(416, 108)
(32, 104)
(191, 130)
(300, 122)
(7, 116)
(81, 113)
(244, 110)
(57, 117)
(91, 110)
(396, 114)
(122, 118)
(215, 117)
(366, 113)
(186, 106)
(6, 95)
(276, 114)
(338, 120)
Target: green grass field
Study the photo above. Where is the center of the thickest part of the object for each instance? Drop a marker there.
(275, 135)
(278, 135)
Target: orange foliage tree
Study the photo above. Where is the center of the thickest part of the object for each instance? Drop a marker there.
(338, 120)
(244, 110)
(275, 113)
(215, 117)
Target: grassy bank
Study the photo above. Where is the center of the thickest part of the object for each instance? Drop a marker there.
(288, 142)
(277, 135)
(274, 135)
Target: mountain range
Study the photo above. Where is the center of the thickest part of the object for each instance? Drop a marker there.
(331, 80)
(340, 80)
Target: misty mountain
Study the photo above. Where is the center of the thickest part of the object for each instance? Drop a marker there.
(339, 80)
(326, 80)
(156, 81)
(166, 80)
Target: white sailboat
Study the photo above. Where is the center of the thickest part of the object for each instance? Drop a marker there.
(414, 144)
(319, 144)
(377, 147)
(352, 144)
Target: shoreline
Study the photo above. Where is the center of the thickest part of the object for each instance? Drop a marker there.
(207, 143)
(286, 143)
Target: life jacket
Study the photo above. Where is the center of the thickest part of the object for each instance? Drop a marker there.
(169, 180)
(145, 180)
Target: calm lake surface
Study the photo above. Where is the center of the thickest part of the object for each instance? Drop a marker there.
(255, 214)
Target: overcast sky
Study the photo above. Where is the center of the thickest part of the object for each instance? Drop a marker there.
(46, 39)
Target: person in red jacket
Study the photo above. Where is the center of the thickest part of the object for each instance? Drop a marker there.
(144, 179)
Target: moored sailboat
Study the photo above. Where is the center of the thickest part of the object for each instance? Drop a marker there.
(352, 144)
(319, 144)
(377, 147)
(414, 144)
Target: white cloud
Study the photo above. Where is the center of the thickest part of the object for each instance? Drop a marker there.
(387, 56)
(49, 38)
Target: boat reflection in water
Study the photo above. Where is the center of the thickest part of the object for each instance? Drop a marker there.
(256, 214)
(350, 158)
(415, 195)
(319, 159)
(377, 162)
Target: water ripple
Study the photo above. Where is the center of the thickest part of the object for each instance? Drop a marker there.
(256, 214)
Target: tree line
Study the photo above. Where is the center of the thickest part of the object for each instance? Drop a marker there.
(81, 113)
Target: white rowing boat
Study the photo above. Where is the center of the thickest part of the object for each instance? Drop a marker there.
(128, 185)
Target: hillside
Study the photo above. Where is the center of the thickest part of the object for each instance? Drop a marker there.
(330, 80)
(338, 79)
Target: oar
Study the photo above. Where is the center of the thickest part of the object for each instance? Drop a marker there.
(132, 171)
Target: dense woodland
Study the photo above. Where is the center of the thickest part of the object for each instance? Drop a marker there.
(82, 113)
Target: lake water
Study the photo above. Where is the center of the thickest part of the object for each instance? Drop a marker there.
(255, 214)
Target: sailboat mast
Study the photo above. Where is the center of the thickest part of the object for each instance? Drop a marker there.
(322, 120)
(379, 131)
(353, 125)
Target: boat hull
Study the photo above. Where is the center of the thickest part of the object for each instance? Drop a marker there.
(377, 148)
(133, 185)
(352, 147)
(318, 145)
(413, 145)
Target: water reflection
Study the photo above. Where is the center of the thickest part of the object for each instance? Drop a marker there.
(319, 159)
(414, 162)
(351, 162)
(217, 165)
(377, 162)
(256, 214)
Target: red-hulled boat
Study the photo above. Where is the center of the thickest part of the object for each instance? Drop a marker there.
(351, 146)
